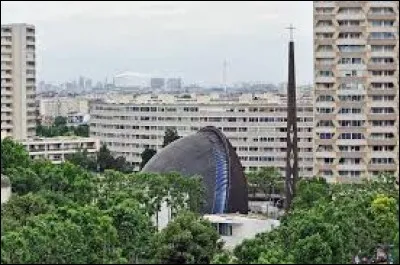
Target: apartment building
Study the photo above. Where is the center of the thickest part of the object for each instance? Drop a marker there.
(49, 108)
(254, 124)
(356, 90)
(57, 149)
(18, 81)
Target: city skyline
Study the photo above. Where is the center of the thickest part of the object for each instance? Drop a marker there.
(98, 40)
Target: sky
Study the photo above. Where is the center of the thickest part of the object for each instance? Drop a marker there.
(187, 39)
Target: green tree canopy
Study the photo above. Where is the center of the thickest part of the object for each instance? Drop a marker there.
(146, 155)
(170, 136)
(186, 240)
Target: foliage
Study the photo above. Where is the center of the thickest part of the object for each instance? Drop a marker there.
(13, 155)
(67, 214)
(329, 224)
(186, 240)
(170, 136)
(101, 161)
(60, 128)
(265, 181)
(146, 155)
(224, 257)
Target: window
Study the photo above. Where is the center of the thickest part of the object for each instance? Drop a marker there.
(350, 111)
(350, 10)
(351, 136)
(382, 35)
(350, 35)
(382, 48)
(351, 48)
(225, 229)
(382, 60)
(346, 60)
(326, 73)
(343, 23)
(325, 48)
(325, 98)
(381, 23)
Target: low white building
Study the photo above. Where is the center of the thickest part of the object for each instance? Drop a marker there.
(57, 148)
(234, 228)
(5, 189)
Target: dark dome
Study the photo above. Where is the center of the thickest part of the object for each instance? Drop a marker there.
(208, 154)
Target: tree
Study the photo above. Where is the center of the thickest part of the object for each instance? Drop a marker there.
(146, 155)
(84, 159)
(69, 236)
(134, 228)
(188, 239)
(265, 181)
(13, 155)
(224, 257)
(170, 136)
(329, 224)
(60, 121)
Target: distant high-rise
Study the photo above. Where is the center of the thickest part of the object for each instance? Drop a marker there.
(157, 83)
(81, 83)
(88, 84)
(174, 83)
(18, 81)
(356, 92)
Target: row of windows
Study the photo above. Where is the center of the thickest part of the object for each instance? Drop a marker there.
(201, 119)
(233, 139)
(196, 109)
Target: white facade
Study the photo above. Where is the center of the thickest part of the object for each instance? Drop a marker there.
(18, 81)
(5, 194)
(255, 125)
(356, 51)
(57, 148)
(5, 189)
(234, 228)
(62, 106)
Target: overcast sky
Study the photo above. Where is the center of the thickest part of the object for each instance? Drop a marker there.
(191, 39)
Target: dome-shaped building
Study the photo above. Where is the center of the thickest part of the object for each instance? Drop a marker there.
(208, 154)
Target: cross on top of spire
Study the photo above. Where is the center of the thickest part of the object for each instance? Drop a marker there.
(291, 30)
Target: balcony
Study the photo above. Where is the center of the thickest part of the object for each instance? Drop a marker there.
(382, 92)
(326, 16)
(325, 79)
(382, 16)
(350, 3)
(352, 28)
(382, 41)
(352, 154)
(325, 154)
(355, 41)
(383, 79)
(325, 116)
(345, 129)
(383, 141)
(324, 141)
(351, 167)
(382, 66)
(382, 167)
(350, 16)
(324, 29)
(325, 54)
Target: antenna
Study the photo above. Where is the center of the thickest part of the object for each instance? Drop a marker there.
(224, 73)
(291, 30)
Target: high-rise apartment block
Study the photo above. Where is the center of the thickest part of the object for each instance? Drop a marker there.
(356, 90)
(18, 81)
